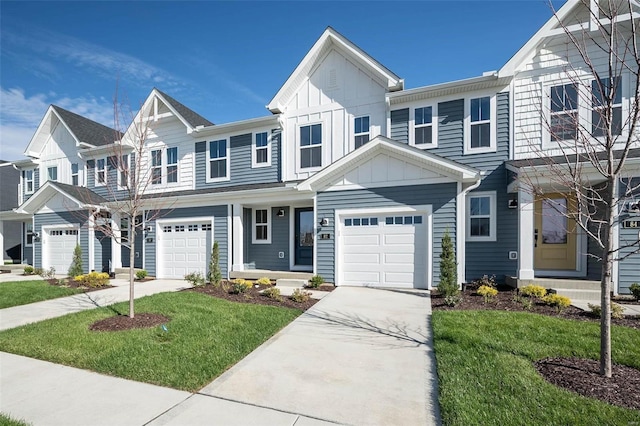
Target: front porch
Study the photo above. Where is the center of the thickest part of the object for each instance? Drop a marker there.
(575, 289)
(254, 274)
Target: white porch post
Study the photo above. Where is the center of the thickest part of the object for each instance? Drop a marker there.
(116, 252)
(237, 240)
(92, 240)
(526, 241)
(2, 239)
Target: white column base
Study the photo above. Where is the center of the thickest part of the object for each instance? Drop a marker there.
(526, 243)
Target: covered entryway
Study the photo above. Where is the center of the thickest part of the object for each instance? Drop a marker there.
(183, 247)
(58, 246)
(555, 235)
(384, 249)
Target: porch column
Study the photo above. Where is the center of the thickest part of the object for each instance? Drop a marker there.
(2, 239)
(237, 240)
(91, 231)
(116, 251)
(526, 241)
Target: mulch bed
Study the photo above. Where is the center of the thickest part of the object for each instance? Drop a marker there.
(323, 287)
(76, 284)
(254, 296)
(583, 377)
(575, 374)
(123, 322)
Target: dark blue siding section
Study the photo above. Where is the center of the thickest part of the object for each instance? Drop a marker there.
(62, 218)
(110, 190)
(629, 268)
(27, 252)
(400, 125)
(442, 198)
(265, 256)
(102, 252)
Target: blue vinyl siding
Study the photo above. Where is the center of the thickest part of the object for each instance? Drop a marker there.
(442, 198)
(27, 252)
(400, 125)
(265, 256)
(62, 218)
(110, 190)
(241, 172)
(102, 252)
(220, 233)
(629, 268)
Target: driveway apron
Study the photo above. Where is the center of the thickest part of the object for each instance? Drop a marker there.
(359, 356)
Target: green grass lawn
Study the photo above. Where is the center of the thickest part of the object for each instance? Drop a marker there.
(14, 293)
(10, 421)
(486, 376)
(205, 337)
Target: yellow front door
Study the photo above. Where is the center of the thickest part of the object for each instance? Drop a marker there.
(555, 233)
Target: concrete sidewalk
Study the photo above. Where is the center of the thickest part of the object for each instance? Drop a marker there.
(629, 310)
(39, 311)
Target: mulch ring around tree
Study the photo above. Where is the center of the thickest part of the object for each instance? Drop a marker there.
(123, 322)
(583, 377)
(505, 301)
(69, 282)
(253, 295)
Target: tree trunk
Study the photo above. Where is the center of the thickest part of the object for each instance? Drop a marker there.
(132, 257)
(607, 275)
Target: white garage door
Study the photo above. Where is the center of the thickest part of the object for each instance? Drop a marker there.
(59, 245)
(384, 250)
(185, 248)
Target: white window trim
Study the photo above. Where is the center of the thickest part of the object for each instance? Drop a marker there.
(119, 171)
(77, 174)
(32, 180)
(623, 105)
(434, 125)
(26, 231)
(322, 146)
(492, 216)
(583, 112)
(209, 159)
(354, 134)
(106, 172)
(166, 165)
(49, 177)
(253, 226)
(254, 150)
(492, 121)
(161, 166)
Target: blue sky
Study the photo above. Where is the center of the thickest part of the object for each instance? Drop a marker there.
(226, 60)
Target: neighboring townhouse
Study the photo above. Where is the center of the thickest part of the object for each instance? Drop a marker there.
(10, 234)
(352, 177)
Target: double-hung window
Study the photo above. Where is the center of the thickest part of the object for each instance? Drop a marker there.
(480, 123)
(28, 234)
(75, 177)
(156, 166)
(172, 164)
(218, 160)
(101, 171)
(261, 145)
(261, 226)
(606, 107)
(123, 172)
(311, 146)
(563, 112)
(52, 173)
(423, 126)
(361, 131)
(28, 181)
(481, 216)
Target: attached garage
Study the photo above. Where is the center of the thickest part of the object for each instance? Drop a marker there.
(183, 247)
(383, 248)
(58, 246)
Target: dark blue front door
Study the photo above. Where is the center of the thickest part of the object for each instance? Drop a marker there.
(304, 237)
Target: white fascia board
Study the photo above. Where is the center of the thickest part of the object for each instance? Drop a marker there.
(155, 93)
(46, 191)
(237, 126)
(442, 89)
(26, 163)
(34, 151)
(111, 149)
(14, 215)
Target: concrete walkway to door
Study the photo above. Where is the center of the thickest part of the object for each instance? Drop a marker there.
(359, 356)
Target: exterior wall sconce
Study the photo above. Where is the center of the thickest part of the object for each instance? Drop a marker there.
(513, 204)
(281, 212)
(324, 222)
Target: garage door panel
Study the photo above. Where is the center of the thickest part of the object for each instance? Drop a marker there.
(60, 244)
(185, 248)
(362, 259)
(399, 259)
(399, 239)
(362, 239)
(367, 277)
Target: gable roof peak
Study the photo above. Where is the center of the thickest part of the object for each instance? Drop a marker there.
(190, 116)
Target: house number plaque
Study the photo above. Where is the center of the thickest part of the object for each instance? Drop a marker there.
(631, 224)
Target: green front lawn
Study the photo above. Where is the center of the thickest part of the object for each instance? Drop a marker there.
(10, 421)
(205, 337)
(486, 376)
(14, 293)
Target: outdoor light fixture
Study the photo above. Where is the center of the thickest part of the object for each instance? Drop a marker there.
(281, 213)
(513, 204)
(324, 222)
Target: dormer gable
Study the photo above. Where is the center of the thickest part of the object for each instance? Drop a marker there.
(328, 41)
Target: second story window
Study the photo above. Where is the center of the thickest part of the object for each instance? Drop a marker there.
(28, 181)
(172, 164)
(156, 166)
(101, 171)
(480, 122)
(563, 119)
(607, 100)
(123, 172)
(260, 155)
(423, 126)
(218, 160)
(361, 131)
(311, 146)
(75, 177)
(52, 173)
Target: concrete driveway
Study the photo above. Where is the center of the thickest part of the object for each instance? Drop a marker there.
(360, 356)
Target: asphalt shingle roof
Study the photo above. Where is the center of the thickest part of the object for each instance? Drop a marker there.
(88, 130)
(80, 193)
(192, 117)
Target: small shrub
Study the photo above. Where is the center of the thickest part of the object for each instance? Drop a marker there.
(487, 292)
(617, 311)
(263, 281)
(486, 280)
(273, 293)
(560, 302)
(196, 279)
(453, 299)
(76, 264)
(448, 285)
(240, 286)
(224, 285)
(38, 271)
(533, 290)
(49, 274)
(634, 288)
(300, 296)
(29, 270)
(93, 279)
(214, 276)
(141, 274)
(316, 281)
(526, 302)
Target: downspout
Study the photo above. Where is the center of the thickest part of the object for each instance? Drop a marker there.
(461, 226)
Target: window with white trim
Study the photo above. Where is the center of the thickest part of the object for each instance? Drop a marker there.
(101, 172)
(261, 226)
(361, 131)
(156, 166)
(423, 126)
(218, 161)
(75, 178)
(172, 164)
(28, 181)
(311, 146)
(52, 173)
(563, 112)
(481, 216)
(29, 234)
(123, 172)
(261, 150)
(480, 122)
(603, 95)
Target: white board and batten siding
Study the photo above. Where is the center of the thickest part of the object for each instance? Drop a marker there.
(335, 93)
(59, 151)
